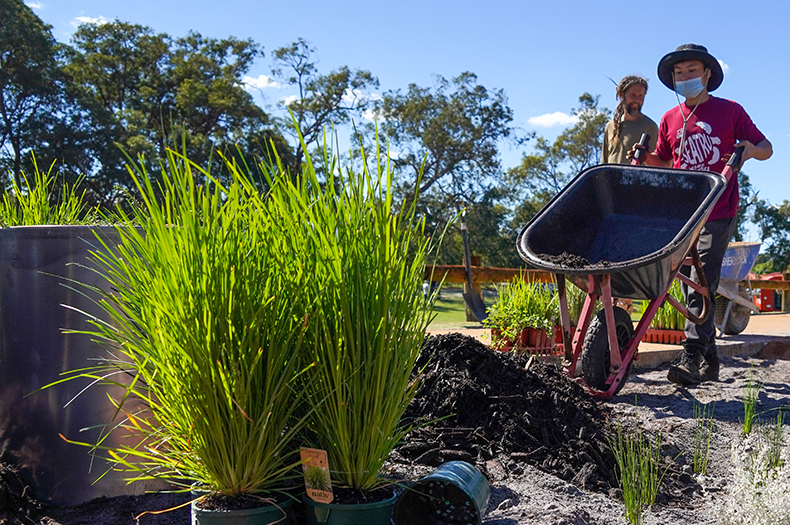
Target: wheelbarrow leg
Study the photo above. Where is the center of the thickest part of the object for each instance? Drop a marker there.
(565, 318)
(616, 359)
(581, 330)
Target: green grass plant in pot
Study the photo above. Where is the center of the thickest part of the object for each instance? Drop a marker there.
(206, 323)
(369, 263)
(521, 306)
(667, 316)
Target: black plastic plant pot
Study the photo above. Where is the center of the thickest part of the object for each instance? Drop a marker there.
(635, 223)
(38, 265)
(455, 493)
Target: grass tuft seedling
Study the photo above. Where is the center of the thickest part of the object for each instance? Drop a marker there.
(703, 429)
(751, 394)
(638, 470)
(774, 438)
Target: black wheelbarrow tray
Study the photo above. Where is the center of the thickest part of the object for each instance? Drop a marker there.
(623, 232)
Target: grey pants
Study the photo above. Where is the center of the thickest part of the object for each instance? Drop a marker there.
(713, 241)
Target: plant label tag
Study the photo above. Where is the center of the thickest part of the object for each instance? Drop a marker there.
(317, 481)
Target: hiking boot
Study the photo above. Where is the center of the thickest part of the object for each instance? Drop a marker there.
(687, 369)
(709, 369)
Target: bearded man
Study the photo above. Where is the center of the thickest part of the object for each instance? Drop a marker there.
(628, 123)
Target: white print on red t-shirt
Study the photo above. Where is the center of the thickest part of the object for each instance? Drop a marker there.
(700, 150)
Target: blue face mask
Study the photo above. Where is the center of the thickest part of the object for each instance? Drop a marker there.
(689, 88)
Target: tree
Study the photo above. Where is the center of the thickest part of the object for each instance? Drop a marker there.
(117, 71)
(747, 202)
(450, 133)
(30, 83)
(774, 224)
(146, 91)
(542, 174)
(324, 101)
(578, 147)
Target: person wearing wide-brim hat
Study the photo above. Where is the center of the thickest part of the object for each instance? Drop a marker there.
(700, 134)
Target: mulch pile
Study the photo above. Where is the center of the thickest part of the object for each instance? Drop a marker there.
(17, 505)
(486, 408)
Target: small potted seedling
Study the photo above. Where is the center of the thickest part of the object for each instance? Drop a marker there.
(524, 316)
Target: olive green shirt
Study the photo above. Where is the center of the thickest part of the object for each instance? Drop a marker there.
(614, 151)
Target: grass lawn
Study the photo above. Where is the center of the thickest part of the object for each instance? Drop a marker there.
(449, 308)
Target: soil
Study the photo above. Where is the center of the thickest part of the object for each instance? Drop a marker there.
(572, 261)
(491, 409)
(539, 438)
(568, 260)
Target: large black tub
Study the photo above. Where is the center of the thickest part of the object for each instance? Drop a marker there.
(635, 223)
(36, 264)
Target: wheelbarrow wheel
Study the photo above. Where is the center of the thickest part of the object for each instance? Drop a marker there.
(596, 362)
(739, 315)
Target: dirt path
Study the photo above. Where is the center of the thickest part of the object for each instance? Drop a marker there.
(542, 499)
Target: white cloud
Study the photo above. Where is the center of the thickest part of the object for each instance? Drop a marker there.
(89, 20)
(262, 82)
(35, 5)
(354, 97)
(549, 120)
(287, 101)
(372, 116)
(724, 67)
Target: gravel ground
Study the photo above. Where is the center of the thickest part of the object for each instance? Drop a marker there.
(542, 499)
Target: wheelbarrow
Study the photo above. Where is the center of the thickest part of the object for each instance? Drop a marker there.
(734, 303)
(626, 232)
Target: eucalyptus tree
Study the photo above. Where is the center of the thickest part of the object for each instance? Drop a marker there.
(324, 101)
(773, 220)
(146, 90)
(30, 83)
(447, 136)
(552, 165)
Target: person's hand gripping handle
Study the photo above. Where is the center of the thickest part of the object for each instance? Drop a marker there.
(734, 164)
(641, 148)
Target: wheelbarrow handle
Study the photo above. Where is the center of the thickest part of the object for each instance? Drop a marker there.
(734, 164)
(640, 152)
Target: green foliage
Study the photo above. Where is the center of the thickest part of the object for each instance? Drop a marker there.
(35, 203)
(324, 101)
(552, 166)
(750, 397)
(638, 461)
(206, 318)
(774, 224)
(30, 84)
(576, 298)
(774, 435)
(368, 267)
(522, 304)
(667, 316)
(703, 429)
(447, 136)
(145, 90)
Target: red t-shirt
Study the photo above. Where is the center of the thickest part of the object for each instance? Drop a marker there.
(711, 133)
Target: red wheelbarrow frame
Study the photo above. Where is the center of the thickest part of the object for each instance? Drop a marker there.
(619, 358)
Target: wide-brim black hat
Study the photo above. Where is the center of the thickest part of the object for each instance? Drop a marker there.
(690, 52)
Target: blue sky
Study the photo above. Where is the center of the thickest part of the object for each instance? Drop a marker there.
(542, 54)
